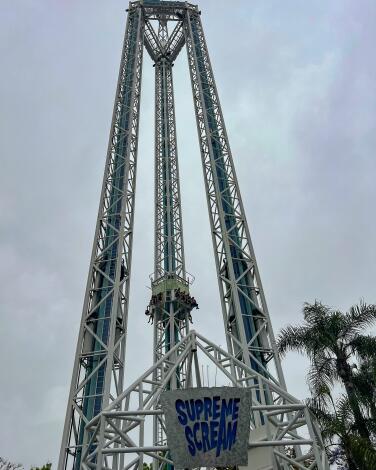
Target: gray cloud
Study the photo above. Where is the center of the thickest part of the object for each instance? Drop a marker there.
(297, 83)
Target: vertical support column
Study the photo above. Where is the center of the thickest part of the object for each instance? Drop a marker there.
(247, 324)
(99, 362)
(169, 246)
(170, 282)
(171, 318)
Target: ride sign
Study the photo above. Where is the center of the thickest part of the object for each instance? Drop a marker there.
(207, 426)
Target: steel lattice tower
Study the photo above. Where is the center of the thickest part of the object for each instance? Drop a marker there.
(164, 27)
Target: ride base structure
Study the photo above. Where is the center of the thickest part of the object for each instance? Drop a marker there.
(108, 425)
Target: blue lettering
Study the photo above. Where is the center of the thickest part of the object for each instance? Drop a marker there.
(226, 409)
(235, 410)
(190, 406)
(207, 408)
(189, 437)
(213, 434)
(216, 407)
(205, 436)
(229, 439)
(179, 406)
(199, 406)
(217, 428)
(198, 443)
(222, 425)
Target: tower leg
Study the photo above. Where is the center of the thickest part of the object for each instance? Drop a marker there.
(99, 362)
(246, 319)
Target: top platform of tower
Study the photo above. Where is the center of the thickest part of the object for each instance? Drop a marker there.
(157, 7)
(164, 3)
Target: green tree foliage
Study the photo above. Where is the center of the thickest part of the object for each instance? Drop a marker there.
(6, 465)
(341, 354)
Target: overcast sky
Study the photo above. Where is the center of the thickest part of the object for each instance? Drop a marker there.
(298, 89)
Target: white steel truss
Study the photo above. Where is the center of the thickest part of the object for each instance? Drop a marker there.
(169, 248)
(105, 424)
(170, 315)
(125, 442)
(246, 319)
(98, 371)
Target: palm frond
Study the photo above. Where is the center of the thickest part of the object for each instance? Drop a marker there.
(365, 386)
(325, 325)
(315, 313)
(331, 426)
(323, 396)
(322, 373)
(292, 338)
(344, 411)
(363, 346)
(360, 316)
(363, 452)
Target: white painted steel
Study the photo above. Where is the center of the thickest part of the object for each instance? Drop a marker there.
(113, 352)
(287, 422)
(251, 360)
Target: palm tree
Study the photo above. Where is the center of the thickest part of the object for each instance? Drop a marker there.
(333, 341)
(365, 384)
(337, 430)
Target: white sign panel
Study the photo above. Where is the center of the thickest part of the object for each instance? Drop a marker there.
(207, 426)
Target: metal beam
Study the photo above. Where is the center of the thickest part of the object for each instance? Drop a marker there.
(280, 417)
(104, 423)
(246, 319)
(98, 371)
(170, 316)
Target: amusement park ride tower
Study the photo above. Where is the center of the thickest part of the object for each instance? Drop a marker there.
(103, 417)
